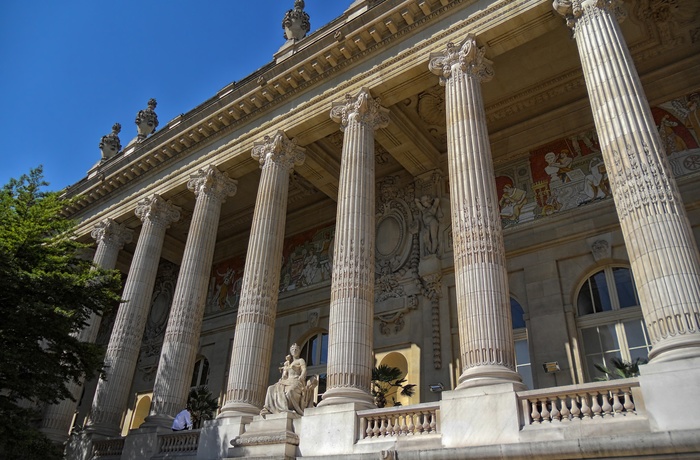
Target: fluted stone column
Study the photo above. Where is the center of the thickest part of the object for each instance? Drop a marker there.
(255, 324)
(112, 393)
(181, 342)
(481, 278)
(111, 238)
(352, 288)
(659, 240)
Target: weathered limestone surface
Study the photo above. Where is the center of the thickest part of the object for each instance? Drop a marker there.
(181, 342)
(352, 289)
(110, 237)
(659, 240)
(481, 279)
(122, 354)
(255, 324)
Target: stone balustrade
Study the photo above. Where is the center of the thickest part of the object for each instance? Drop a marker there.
(105, 449)
(590, 401)
(416, 420)
(178, 442)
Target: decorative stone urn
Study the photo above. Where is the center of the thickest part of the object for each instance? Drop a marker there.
(146, 121)
(296, 22)
(110, 144)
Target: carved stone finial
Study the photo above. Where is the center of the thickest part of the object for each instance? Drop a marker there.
(110, 144)
(147, 121)
(296, 22)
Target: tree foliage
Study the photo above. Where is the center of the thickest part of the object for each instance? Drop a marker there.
(622, 369)
(47, 294)
(384, 380)
(202, 405)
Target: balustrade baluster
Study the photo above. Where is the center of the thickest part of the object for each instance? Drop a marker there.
(595, 407)
(535, 414)
(585, 407)
(629, 405)
(617, 406)
(565, 413)
(575, 411)
(426, 421)
(545, 411)
(404, 428)
(556, 415)
(375, 431)
(382, 427)
(411, 426)
(607, 408)
(433, 424)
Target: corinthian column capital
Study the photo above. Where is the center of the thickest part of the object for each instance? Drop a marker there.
(467, 57)
(112, 233)
(572, 10)
(158, 211)
(280, 150)
(212, 182)
(362, 109)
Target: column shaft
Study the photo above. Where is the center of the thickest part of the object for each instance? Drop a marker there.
(352, 290)
(659, 240)
(112, 392)
(110, 237)
(255, 325)
(181, 341)
(481, 278)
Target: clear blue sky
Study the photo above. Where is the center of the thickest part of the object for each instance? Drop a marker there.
(70, 69)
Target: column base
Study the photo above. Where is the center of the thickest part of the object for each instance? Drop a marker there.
(356, 396)
(102, 430)
(675, 348)
(238, 409)
(480, 376)
(157, 420)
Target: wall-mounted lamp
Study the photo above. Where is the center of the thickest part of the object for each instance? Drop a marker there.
(551, 367)
(436, 387)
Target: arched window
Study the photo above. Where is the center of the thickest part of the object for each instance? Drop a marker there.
(200, 376)
(315, 353)
(610, 320)
(522, 350)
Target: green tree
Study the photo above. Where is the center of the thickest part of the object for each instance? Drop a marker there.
(202, 404)
(47, 294)
(384, 380)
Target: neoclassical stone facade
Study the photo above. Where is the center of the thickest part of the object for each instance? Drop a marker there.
(500, 198)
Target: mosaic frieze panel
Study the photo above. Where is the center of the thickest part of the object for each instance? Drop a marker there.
(569, 172)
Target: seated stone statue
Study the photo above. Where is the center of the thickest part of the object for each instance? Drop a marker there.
(291, 393)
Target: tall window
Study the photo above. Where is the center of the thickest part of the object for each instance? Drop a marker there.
(522, 351)
(200, 376)
(610, 320)
(315, 353)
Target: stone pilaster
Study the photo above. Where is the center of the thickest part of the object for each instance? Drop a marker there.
(352, 290)
(481, 279)
(255, 324)
(112, 392)
(110, 237)
(181, 342)
(659, 240)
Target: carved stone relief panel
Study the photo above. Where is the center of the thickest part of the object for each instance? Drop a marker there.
(153, 335)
